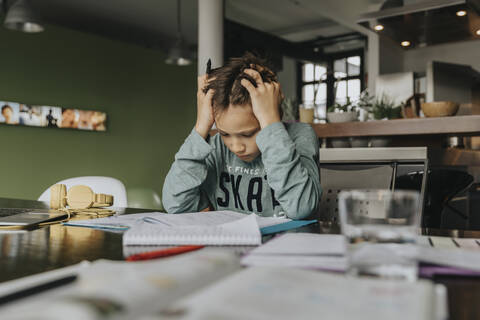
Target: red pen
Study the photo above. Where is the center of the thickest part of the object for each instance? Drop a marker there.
(162, 253)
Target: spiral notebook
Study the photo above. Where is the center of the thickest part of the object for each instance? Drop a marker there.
(244, 231)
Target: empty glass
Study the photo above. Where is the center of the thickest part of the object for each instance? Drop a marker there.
(380, 226)
(306, 113)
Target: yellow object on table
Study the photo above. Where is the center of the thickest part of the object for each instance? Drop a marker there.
(440, 108)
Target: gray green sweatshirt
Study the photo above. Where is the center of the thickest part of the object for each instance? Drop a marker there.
(283, 180)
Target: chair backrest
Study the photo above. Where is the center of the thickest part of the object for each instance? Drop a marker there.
(98, 184)
(334, 181)
(144, 198)
(365, 168)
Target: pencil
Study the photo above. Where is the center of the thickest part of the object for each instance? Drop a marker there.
(162, 253)
(26, 292)
(209, 66)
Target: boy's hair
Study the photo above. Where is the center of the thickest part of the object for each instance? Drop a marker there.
(226, 80)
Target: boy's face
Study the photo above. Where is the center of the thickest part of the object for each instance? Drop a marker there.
(7, 113)
(238, 128)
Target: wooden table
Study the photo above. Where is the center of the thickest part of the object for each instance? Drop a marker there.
(57, 246)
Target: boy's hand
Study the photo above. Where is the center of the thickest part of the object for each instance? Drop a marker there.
(205, 117)
(266, 98)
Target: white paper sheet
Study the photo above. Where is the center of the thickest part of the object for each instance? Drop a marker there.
(453, 257)
(327, 263)
(301, 250)
(442, 242)
(303, 244)
(276, 293)
(473, 244)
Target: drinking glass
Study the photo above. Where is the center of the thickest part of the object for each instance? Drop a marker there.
(306, 112)
(380, 227)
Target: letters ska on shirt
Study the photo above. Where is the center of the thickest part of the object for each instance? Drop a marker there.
(244, 188)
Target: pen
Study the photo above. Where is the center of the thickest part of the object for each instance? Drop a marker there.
(23, 293)
(162, 253)
(209, 66)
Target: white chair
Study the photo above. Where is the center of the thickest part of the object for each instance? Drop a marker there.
(98, 184)
(144, 198)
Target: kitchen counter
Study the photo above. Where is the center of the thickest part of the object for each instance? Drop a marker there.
(456, 125)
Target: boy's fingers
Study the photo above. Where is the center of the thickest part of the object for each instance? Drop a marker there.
(277, 87)
(257, 67)
(262, 68)
(248, 85)
(201, 81)
(210, 92)
(255, 75)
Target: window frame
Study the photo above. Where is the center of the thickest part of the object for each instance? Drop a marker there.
(329, 60)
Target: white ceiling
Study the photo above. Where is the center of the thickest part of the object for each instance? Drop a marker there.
(153, 22)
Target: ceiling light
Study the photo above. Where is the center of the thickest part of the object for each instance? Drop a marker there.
(405, 43)
(21, 17)
(179, 54)
(378, 27)
(461, 13)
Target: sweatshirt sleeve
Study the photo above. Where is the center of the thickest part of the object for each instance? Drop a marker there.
(181, 189)
(291, 162)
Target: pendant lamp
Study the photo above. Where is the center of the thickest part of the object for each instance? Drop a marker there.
(178, 53)
(21, 17)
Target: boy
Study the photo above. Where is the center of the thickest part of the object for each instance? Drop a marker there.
(255, 163)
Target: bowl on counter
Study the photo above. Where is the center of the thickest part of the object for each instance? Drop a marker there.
(337, 117)
(440, 108)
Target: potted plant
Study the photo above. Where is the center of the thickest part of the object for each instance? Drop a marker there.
(338, 112)
(384, 108)
(342, 112)
(379, 108)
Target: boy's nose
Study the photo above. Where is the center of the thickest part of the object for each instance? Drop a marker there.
(238, 147)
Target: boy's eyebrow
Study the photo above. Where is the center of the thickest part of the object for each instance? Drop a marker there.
(248, 131)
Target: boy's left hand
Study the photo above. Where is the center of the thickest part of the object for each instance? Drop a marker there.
(266, 98)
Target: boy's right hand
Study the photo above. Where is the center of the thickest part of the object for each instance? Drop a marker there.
(205, 117)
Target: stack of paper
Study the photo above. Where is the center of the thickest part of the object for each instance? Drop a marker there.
(304, 250)
(117, 289)
(327, 252)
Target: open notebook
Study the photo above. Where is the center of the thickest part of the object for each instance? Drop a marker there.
(243, 231)
(213, 227)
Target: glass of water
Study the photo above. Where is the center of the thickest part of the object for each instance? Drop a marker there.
(380, 227)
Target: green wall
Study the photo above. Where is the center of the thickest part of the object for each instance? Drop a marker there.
(150, 106)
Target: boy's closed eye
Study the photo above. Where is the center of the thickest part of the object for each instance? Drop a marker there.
(242, 134)
(248, 135)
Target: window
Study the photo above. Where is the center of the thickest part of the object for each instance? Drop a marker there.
(334, 80)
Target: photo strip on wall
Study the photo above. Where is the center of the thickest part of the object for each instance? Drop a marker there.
(15, 113)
